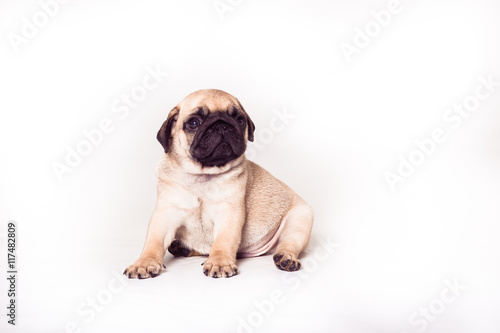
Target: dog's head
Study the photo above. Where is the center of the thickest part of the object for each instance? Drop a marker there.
(210, 127)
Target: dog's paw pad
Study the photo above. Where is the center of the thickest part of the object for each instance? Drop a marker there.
(286, 262)
(216, 269)
(144, 268)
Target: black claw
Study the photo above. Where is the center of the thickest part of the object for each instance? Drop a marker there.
(298, 265)
(164, 266)
(153, 275)
(215, 275)
(292, 266)
(125, 272)
(205, 272)
(284, 263)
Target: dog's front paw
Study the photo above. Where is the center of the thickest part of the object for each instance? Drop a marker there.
(219, 267)
(144, 268)
(286, 261)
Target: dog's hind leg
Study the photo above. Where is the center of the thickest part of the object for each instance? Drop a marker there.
(177, 249)
(294, 237)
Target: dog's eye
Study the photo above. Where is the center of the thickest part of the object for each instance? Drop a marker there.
(241, 121)
(193, 123)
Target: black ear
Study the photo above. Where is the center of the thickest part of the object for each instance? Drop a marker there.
(250, 124)
(165, 133)
(251, 128)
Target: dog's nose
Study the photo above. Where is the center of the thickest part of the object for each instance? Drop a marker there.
(220, 128)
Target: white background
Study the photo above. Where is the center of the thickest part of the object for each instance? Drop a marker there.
(396, 249)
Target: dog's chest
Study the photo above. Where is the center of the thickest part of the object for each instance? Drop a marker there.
(209, 196)
(199, 227)
(202, 219)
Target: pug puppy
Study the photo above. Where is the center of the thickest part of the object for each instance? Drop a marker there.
(212, 201)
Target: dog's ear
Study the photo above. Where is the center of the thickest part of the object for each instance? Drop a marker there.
(251, 128)
(250, 124)
(165, 133)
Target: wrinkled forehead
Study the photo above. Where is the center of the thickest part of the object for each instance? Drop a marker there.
(209, 101)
